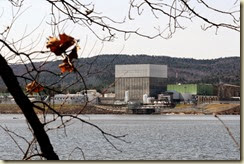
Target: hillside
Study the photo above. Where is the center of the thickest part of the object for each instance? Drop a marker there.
(98, 71)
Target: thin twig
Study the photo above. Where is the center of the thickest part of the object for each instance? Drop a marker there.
(228, 130)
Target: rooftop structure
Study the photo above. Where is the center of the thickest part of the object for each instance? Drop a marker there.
(141, 70)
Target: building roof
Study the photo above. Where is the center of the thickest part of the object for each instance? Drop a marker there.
(141, 70)
(229, 85)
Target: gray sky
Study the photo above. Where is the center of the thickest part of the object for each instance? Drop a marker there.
(190, 43)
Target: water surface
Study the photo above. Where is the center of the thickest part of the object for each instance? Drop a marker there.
(150, 137)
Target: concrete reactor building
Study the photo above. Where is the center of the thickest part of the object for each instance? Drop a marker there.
(133, 81)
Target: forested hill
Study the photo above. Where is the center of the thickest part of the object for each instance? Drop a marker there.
(99, 70)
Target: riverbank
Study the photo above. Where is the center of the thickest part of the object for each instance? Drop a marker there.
(220, 109)
(65, 109)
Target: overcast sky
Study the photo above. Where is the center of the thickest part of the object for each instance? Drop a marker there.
(190, 43)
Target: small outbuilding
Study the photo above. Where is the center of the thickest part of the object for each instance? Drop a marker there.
(228, 91)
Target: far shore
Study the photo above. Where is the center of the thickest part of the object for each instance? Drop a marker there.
(181, 109)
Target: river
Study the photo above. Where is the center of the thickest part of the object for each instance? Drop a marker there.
(149, 137)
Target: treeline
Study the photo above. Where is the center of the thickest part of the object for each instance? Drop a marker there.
(99, 71)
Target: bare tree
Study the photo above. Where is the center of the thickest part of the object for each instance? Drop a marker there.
(176, 11)
(66, 48)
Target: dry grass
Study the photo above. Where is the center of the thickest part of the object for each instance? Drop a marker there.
(13, 108)
(215, 108)
(9, 108)
(180, 108)
(183, 106)
(204, 109)
(64, 109)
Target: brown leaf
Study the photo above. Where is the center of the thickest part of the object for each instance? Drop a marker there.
(65, 41)
(54, 45)
(60, 46)
(66, 67)
(73, 54)
(34, 87)
(53, 41)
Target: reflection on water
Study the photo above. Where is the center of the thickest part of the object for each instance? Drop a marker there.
(151, 137)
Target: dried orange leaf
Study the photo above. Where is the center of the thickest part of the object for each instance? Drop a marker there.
(66, 41)
(54, 45)
(34, 87)
(66, 67)
(53, 41)
(60, 46)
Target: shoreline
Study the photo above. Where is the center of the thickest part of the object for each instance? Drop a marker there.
(202, 109)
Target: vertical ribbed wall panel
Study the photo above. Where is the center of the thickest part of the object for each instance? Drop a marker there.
(137, 87)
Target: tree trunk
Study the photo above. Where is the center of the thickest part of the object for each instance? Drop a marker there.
(27, 108)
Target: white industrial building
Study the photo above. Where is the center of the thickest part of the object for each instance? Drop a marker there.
(90, 96)
(132, 81)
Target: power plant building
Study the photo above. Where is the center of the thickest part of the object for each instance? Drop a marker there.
(135, 80)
